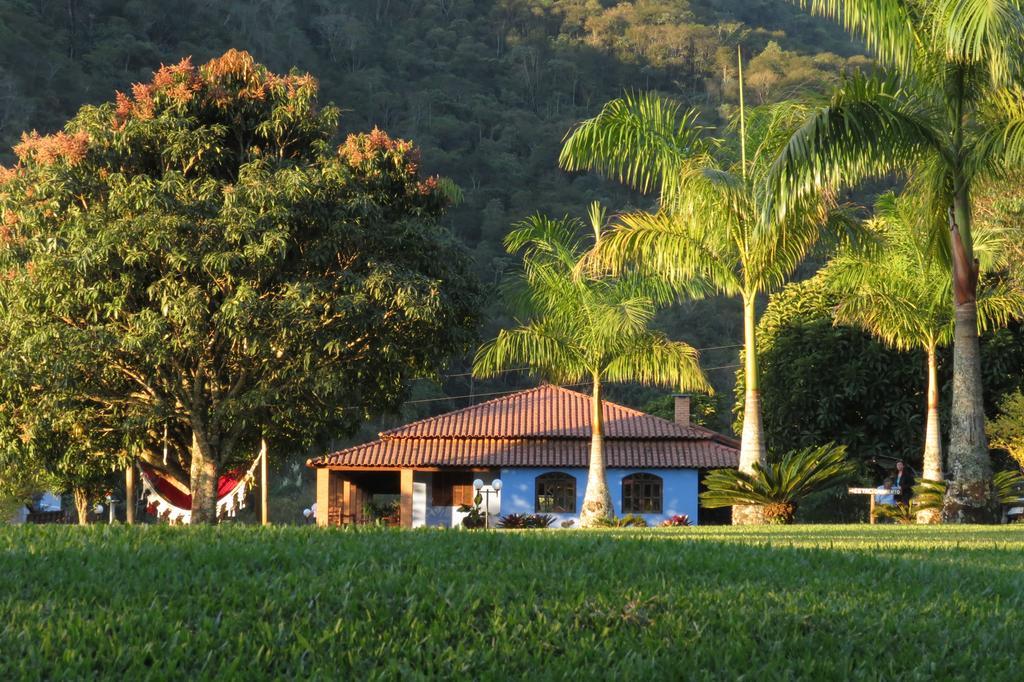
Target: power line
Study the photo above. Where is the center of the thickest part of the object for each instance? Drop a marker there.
(517, 390)
(478, 395)
(731, 345)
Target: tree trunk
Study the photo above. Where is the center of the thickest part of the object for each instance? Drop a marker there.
(597, 502)
(81, 496)
(969, 494)
(752, 449)
(129, 495)
(203, 480)
(932, 469)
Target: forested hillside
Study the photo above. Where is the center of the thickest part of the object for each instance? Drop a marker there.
(487, 88)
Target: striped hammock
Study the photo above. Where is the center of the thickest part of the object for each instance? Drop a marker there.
(167, 501)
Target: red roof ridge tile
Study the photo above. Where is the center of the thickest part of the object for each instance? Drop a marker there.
(547, 410)
(446, 415)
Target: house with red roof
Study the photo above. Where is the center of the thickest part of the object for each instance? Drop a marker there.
(530, 452)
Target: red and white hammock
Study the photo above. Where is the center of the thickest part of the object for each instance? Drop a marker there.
(167, 501)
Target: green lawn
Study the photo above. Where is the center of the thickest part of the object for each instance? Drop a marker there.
(811, 602)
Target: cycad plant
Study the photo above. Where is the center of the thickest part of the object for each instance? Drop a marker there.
(930, 495)
(711, 224)
(776, 488)
(898, 291)
(580, 325)
(949, 111)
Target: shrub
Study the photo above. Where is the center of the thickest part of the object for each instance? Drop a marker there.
(928, 496)
(677, 520)
(1009, 487)
(541, 521)
(778, 487)
(512, 521)
(526, 521)
(905, 514)
(627, 521)
(474, 516)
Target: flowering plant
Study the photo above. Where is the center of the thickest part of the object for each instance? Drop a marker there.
(676, 520)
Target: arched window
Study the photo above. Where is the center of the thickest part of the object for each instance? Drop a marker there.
(556, 493)
(641, 494)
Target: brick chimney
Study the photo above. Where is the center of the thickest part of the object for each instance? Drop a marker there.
(682, 409)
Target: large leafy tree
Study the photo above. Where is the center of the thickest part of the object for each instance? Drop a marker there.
(580, 325)
(198, 263)
(897, 291)
(1007, 427)
(52, 439)
(711, 225)
(950, 111)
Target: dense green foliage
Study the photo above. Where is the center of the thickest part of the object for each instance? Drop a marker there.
(1006, 429)
(693, 603)
(198, 256)
(486, 88)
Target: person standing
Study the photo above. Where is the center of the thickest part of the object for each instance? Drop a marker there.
(904, 482)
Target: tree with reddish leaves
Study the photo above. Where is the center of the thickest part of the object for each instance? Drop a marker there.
(202, 266)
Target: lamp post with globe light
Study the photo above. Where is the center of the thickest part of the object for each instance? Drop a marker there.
(481, 489)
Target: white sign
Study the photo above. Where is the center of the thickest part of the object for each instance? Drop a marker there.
(874, 491)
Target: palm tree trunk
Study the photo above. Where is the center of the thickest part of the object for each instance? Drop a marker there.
(81, 496)
(969, 496)
(752, 449)
(932, 469)
(597, 502)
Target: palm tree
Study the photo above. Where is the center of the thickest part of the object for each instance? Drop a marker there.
(582, 325)
(951, 113)
(711, 224)
(898, 291)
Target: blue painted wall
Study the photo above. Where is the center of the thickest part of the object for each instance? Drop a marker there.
(679, 488)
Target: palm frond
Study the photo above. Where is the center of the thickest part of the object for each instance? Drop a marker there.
(872, 126)
(537, 345)
(999, 303)
(891, 28)
(641, 139)
(928, 495)
(1009, 486)
(651, 358)
(676, 248)
(541, 236)
(981, 32)
(999, 144)
(900, 290)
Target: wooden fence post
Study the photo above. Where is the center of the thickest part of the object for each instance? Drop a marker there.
(264, 515)
(129, 494)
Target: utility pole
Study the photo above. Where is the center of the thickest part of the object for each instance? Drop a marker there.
(264, 518)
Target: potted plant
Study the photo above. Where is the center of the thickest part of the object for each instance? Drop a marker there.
(474, 516)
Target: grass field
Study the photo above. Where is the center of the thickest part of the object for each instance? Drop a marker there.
(811, 602)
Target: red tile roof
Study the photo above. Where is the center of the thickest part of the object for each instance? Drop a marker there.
(546, 426)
